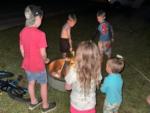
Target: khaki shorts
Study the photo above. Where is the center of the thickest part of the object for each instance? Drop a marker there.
(110, 108)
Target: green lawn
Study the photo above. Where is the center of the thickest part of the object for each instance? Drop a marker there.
(131, 40)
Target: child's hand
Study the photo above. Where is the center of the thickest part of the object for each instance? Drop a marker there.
(71, 49)
(59, 72)
(68, 86)
(47, 60)
(72, 53)
(67, 59)
(56, 75)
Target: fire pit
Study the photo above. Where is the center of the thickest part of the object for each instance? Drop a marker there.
(57, 70)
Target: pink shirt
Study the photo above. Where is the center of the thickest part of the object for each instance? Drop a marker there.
(32, 39)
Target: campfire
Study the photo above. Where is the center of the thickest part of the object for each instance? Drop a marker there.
(59, 67)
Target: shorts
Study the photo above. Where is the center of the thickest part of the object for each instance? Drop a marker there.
(110, 108)
(40, 77)
(105, 47)
(74, 110)
(64, 45)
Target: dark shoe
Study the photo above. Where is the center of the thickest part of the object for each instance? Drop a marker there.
(51, 107)
(33, 106)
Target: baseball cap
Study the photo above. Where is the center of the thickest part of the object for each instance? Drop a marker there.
(31, 11)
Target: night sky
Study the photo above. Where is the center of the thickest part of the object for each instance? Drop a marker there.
(15, 5)
(15, 8)
(19, 5)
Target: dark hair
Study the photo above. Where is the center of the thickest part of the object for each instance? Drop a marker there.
(101, 13)
(116, 64)
(72, 16)
(36, 10)
(31, 11)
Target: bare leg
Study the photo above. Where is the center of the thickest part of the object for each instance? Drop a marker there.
(108, 53)
(44, 95)
(31, 88)
(100, 46)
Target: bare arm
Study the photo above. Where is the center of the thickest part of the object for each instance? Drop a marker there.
(68, 86)
(70, 43)
(44, 55)
(22, 50)
(112, 33)
(70, 40)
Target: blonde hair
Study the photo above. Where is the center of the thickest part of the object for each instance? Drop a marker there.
(116, 64)
(88, 65)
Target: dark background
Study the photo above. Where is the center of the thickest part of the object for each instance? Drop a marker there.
(12, 11)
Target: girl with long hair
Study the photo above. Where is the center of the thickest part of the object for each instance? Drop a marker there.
(83, 77)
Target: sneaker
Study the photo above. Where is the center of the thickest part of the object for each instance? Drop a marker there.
(33, 106)
(51, 107)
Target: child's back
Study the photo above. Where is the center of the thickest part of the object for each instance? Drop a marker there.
(78, 98)
(33, 46)
(83, 78)
(113, 88)
(112, 85)
(65, 33)
(33, 39)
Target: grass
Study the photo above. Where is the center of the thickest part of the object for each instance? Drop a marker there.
(131, 40)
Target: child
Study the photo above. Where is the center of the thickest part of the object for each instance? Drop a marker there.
(112, 85)
(33, 49)
(83, 77)
(65, 39)
(106, 34)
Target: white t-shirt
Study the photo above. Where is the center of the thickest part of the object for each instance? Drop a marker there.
(78, 99)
